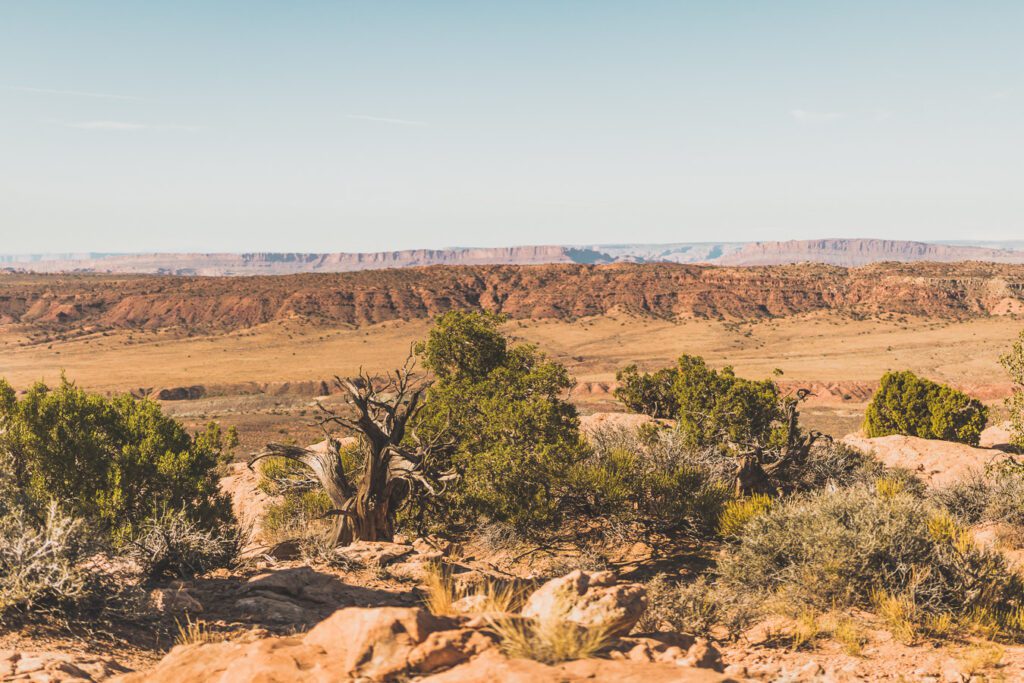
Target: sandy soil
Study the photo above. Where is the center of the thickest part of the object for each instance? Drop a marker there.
(827, 349)
(814, 347)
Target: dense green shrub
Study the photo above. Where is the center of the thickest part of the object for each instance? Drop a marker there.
(717, 409)
(652, 394)
(913, 406)
(850, 546)
(1014, 364)
(515, 438)
(113, 463)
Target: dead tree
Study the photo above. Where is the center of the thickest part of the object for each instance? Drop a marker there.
(758, 463)
(393, 466)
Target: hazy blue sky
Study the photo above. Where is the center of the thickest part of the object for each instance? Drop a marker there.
(341, 126)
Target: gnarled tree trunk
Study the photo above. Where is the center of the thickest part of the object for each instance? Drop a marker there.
(757, 464)
(365, 510)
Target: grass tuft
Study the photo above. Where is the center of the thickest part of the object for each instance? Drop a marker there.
(443, 597)
(550, 638)
(196, 632)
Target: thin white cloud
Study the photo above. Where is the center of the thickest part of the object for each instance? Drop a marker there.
(1003, 94)
(382, 119)
(804, 115)
(70, 93)
(127, 125)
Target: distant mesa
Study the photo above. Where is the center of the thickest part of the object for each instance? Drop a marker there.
(859, 252)
(839, 252)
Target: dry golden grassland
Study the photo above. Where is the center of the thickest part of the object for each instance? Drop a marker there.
(813, 348)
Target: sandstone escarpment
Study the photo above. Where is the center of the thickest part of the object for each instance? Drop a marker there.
(564, 292)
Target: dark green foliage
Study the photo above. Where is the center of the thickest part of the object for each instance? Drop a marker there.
(913, 406)
(652, 393)
(112, 463)
(719, 409)
(1014, 364)
(515, 438)
(715, 408)
(464, 345)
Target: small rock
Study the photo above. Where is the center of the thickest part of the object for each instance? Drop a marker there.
(736, 671)
(951, 674)
(414, 568)
(285, 550)
(470, 604)
(54, 667)
(372, 553)
(671, 654)
(702, 655)
(28, 664)
(425, 547)
(445, 649)
(299, 583)
(174, 601)
(265, 608)
(590, 599)
(640, 653)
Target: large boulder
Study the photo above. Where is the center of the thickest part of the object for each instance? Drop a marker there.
(997, 436)
(397, 644)
(55, 667)
(492, 666)
(937, 463)
(592, 600)
(354, 643)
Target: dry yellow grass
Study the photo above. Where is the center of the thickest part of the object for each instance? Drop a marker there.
(818, 347)
(550, 638)
(441, 595)
(196, 632)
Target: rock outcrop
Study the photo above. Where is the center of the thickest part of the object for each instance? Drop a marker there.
(591, 600)
(564, 292)
(392, 644)
(52, 667)
(937, 463)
